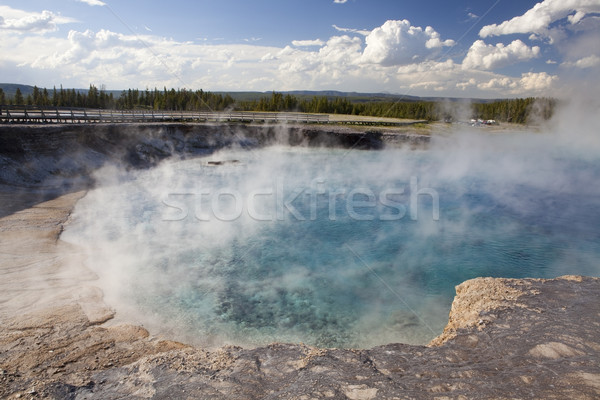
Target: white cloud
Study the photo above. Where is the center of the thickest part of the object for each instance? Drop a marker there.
(537, 82)
(268, 57)
(305, 43)
(448, 77)
(351, 30)
(583, 63)
(399, 43)
(93, 2)
(484, 56)
(123, 61)
(575, 18)
(498, 83)
(427, 66)
(340, 1)
(32, 22)
(464, 85)
(538, 19)
(332, 63)
(88, 46)
(341, 49)
(531, 83)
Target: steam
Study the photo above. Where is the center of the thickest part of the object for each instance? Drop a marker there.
(335, 247)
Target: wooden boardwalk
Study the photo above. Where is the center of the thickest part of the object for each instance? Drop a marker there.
(60, 115)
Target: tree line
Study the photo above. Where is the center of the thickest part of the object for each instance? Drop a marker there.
(174, 100)
(512, 110)
(60, 98)
(516, 110)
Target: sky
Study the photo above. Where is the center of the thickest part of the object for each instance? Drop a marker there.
(463, 48)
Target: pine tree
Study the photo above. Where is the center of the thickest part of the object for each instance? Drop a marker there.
(36, 99)
(45, 98)
(54, 97)
(93, 97)
(19, 100)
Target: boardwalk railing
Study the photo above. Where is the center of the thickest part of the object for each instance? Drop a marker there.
(47, 115)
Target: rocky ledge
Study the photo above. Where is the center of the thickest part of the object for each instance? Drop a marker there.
(66, 155)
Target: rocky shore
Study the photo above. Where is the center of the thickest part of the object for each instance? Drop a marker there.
(505, 338)
(64, 156)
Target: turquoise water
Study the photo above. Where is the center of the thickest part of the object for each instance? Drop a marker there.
(337, 248)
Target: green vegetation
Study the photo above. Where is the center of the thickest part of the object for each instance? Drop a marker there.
(182, 99)
(516, 110)
(60, 98)
(513, 110)
(18, 97)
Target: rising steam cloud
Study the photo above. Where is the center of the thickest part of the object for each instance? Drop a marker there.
(338, 247)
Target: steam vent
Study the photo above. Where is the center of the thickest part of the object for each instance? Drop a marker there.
(369, 263)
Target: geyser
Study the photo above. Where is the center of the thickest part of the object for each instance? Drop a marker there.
(335, 247)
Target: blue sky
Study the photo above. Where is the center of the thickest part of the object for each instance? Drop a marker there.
(483, 48)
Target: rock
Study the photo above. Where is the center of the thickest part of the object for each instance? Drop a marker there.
(554, 350)
(59, 156)
(360, 392)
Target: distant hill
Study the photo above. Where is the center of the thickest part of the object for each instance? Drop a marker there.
(11, 88)
(355, 97)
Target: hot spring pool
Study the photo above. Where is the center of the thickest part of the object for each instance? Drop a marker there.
(333, 247)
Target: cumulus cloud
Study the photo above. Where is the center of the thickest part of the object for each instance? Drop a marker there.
(87, 46)
(583, 63)
(530, 82)
(32, 22)
(341, 49)
(93, 2)
(537, 81)
(343, 62)
(538, 19)
(339, 56)
(448, 77)
(122, 61)
(498, 83)
(487, 56)
(306, 43)
(427, 66)
(399, 43)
